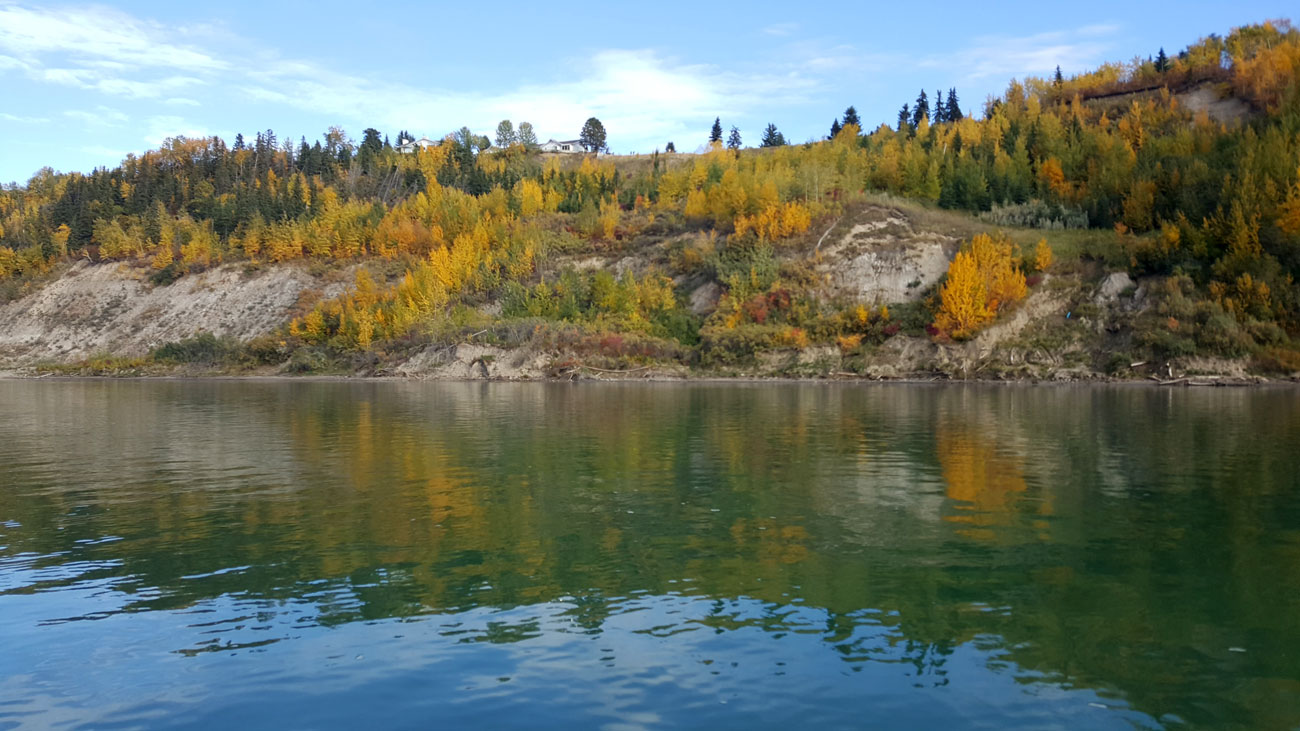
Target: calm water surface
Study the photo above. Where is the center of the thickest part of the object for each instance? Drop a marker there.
(309, 555)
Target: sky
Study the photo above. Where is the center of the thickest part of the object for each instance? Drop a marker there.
(82, 85)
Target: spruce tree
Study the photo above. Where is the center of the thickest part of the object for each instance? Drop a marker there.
(954, 113)
(835, 128)
(922, 109)
(1059, 79)
(940, 113)
(733, 140)
(851, 117)
(771, 137)
(715, 135)
(1162, 61)
(904, 119)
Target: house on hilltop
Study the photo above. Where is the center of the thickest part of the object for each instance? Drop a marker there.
(409, 146)
(563, 146)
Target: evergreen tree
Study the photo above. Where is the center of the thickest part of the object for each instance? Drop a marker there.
(904, 119)
(922, 109)
(835, 128)
(1059, 79)
(940, 113)
(592, 137)
(851, 117)
(733, 140)
(954, 112)
(1162, 61)
(771, 137)
(715, 135)
(371, 147)
(239, 141)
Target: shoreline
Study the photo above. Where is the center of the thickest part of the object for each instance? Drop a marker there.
(1182, 383)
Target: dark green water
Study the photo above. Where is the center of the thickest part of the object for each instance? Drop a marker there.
(397, 555)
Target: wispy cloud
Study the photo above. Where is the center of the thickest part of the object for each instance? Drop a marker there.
(22, 120)
(100, 116)
(1007, 56)
(95, 34)
(781, 29)
(100, 49)
(644, 95)
(160, 127)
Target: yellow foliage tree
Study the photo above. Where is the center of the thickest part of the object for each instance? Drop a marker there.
(1042, 256)
(982, 279)
(964, 298)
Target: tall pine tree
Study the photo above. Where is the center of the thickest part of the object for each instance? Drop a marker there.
(851, 117)
(771, 137)
(715, 135)
(835, 128)
(922, 109)
(904, 119)
(954, 113)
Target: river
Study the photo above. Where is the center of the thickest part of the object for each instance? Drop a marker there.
(281, 554)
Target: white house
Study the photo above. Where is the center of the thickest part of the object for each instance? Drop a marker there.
(564, 146)
(410, 146)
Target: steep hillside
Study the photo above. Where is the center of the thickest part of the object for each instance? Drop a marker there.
(1144, 213)
(112, 308)
(1077, 323)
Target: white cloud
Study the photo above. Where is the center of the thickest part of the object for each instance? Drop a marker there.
(107, 153)
(23, 120)
(97, 35)
(781, 29)
(1039, 54)
(100, 116)
(100, 49)
(643, 98)
(159, 128)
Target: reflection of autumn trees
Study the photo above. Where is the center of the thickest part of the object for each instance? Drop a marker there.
(1070, 527)
(983, 481)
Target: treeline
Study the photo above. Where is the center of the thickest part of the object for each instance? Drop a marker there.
(1213, 201)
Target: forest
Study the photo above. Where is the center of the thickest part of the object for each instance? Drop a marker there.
(1201, 205)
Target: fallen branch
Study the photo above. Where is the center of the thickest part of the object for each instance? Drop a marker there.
(828, 233)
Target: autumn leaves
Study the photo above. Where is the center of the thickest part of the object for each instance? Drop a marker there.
(983, 278)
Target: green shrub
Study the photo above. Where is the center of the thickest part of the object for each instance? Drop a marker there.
(203, 348)
(307, 360)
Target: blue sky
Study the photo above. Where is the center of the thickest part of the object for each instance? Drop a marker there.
(81, 85)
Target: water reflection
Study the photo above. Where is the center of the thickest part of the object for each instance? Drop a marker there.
(1017, 557)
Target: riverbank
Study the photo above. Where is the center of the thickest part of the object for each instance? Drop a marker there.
(650, 375)
(1082, 321)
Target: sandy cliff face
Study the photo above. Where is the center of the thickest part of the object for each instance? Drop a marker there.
(112, 308)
